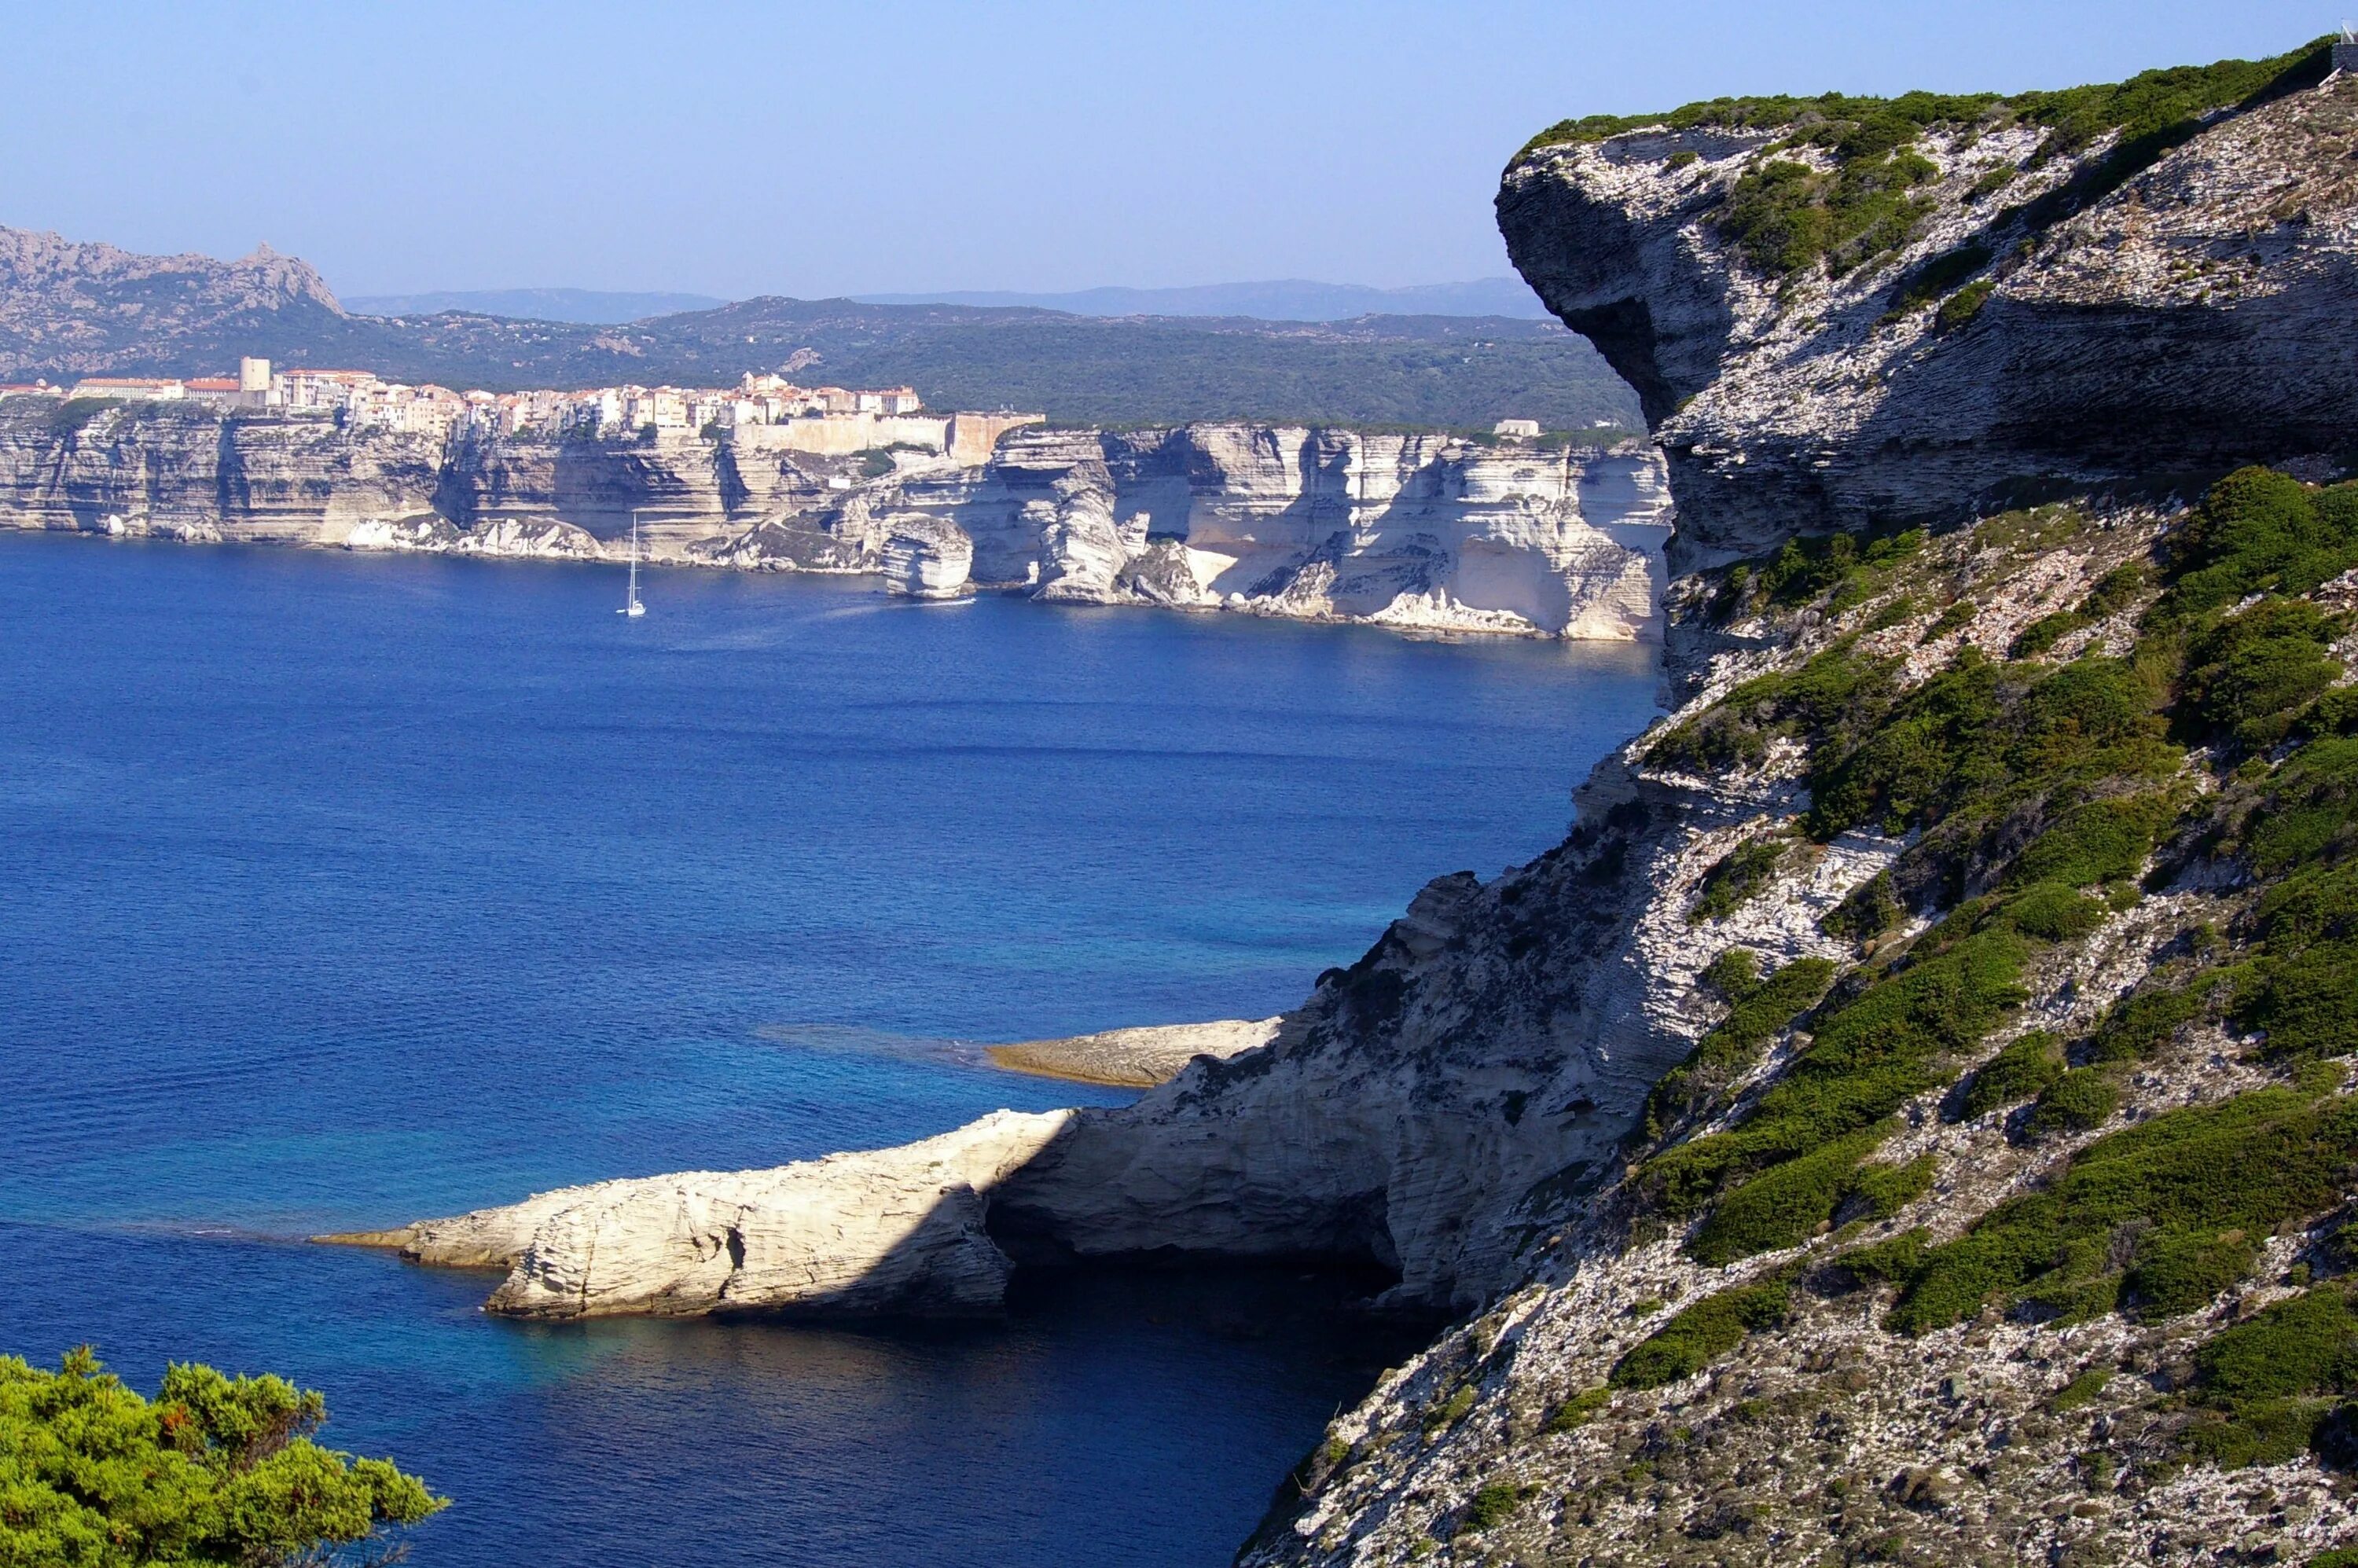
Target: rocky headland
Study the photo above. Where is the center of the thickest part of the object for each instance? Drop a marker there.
(1428, 532)
(1910, 1118)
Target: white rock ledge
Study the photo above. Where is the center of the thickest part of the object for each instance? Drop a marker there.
(883, 1232)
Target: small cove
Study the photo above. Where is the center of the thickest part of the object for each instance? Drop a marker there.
(355, 889)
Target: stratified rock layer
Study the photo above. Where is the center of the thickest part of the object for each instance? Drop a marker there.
(1425, 532)
(2196, 318)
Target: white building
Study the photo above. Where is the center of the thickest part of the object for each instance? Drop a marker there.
(132, 388)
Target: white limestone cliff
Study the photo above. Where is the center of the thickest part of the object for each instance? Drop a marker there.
(1417, 531)
(2194, 316)
(891, 1231)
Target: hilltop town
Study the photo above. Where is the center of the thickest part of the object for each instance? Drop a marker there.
(817, 419)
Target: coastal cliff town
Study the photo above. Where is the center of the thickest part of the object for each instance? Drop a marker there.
(363, 400)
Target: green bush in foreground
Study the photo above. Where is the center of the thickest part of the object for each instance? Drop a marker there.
(214, 1470)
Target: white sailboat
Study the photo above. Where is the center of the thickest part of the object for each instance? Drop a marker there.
(631, 606)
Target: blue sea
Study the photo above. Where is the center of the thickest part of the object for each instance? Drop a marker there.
(341, 891)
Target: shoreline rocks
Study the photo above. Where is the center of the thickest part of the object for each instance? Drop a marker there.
(1141, 1057)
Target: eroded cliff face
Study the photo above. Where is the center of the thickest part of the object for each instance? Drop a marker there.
(2037, 329)
(1424, 531)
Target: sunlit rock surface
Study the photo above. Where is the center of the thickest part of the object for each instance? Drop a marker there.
(1421, 532)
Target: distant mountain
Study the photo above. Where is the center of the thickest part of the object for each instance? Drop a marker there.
(588, 306)
(70, 306)
(70, 310)
(1288, 300)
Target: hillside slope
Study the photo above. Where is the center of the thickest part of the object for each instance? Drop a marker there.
(1998, 1211)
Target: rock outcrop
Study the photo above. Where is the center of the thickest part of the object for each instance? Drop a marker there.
(1418, 531)
(890, 1231)
(1139, 1057)
(2191, 315)
(71, 307)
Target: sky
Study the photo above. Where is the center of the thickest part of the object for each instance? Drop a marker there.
(850, 147)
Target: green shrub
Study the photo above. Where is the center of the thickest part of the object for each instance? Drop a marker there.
(2024, 1070)
(1892, 613)
(1961, 308)
(1735, 876)
(1890, 1261)
(2178, 1270)
(2082, 1390)
(2044, 633)
(2139, 1024)
(1868, 1058)
(214, 1470)
(2307, 1004)
(1784, 1204)
(1700, 1335)
(2265, 1384)
(2248, 676)
(2259, 530)
(2101, 842)
(1449, 1411)
(1886, 1189)
(1932, 278)
(1955, 618)
(1580, 1410)
(2054, 912)
(68, 417)
(1842, 569)
(2116, 590)
(2309, 813)
(2248, 1164)
(1865, 912)
(1992, 182)
(1833, 689)
(2306, 1344)
(2265, 1432)
(1734, 974)
(2079, 1101)
(1494, 1503)
(1724, 1054)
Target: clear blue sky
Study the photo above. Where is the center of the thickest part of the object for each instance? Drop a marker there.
(866, 148)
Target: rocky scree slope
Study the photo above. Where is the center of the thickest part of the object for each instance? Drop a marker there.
(1422, 531)
(1840, 310)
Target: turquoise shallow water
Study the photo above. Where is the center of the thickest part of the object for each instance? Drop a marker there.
(344, 890)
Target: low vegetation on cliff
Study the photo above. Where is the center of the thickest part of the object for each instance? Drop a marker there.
(1854, 198)
(213, 1470)
(2066, 1117)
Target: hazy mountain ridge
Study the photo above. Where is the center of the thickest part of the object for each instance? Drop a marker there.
(70, 310)
(589, 307)
(1285, 299)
